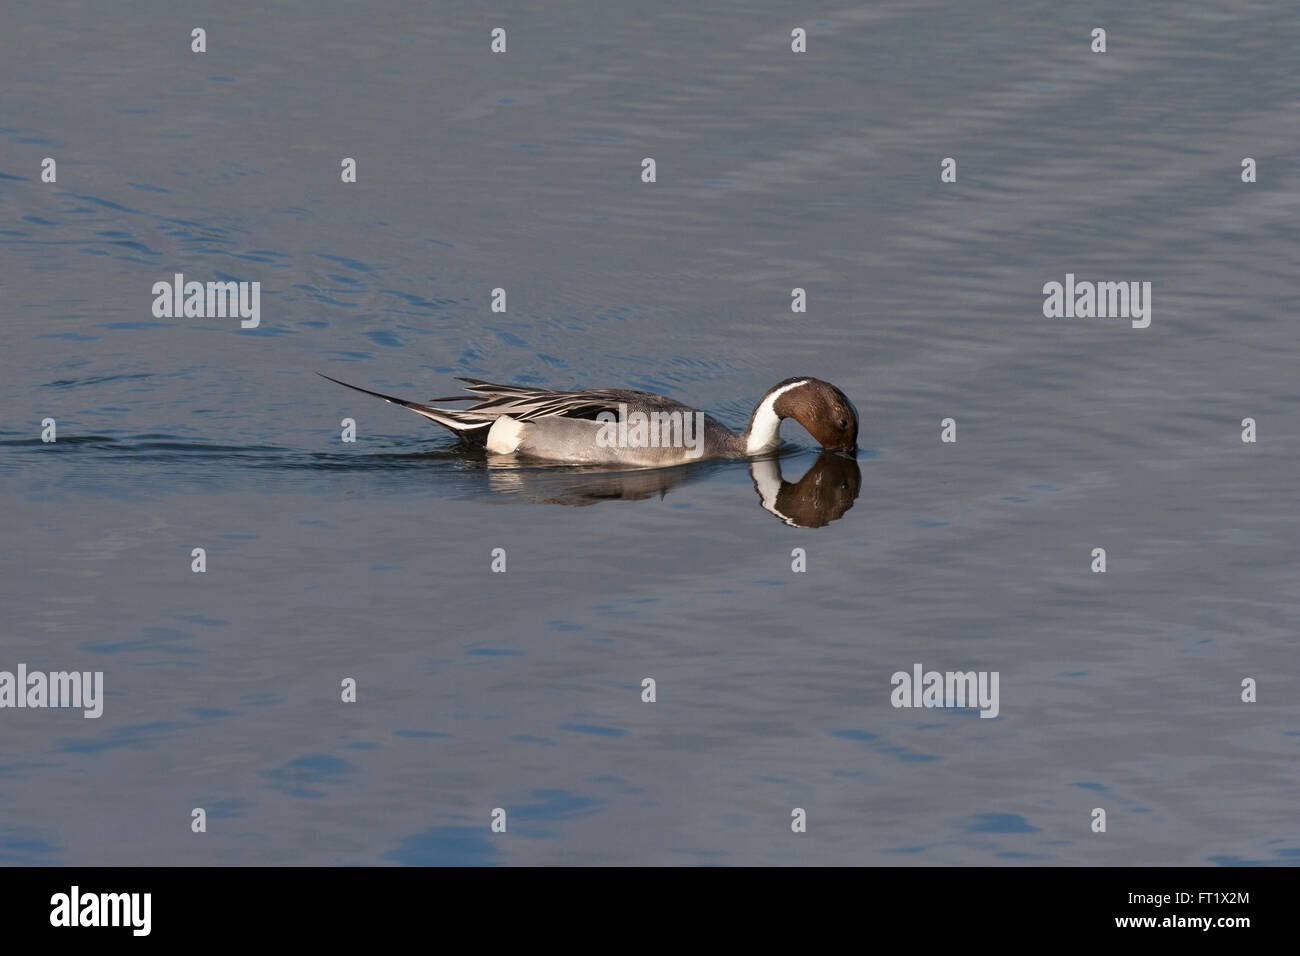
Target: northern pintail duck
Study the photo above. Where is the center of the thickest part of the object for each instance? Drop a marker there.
(628, 427)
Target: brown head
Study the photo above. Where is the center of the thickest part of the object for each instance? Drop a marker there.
(818, 406)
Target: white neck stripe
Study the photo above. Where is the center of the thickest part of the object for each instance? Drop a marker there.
(763, 432)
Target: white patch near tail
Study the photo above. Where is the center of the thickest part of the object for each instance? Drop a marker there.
(505, 435)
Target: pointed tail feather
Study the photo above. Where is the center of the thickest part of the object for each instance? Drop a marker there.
(446, 417)
(491, 388)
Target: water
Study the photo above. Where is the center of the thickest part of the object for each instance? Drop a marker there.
(522, 690)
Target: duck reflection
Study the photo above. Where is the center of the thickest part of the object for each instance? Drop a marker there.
(579, 486)
(822, 495)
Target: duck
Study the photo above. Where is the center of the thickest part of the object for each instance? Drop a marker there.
(620, 426)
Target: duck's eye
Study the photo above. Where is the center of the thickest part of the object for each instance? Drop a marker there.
(843, 423)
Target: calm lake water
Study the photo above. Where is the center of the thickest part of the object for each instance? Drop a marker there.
(372, 561)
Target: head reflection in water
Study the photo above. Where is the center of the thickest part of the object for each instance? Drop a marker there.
(822, 495)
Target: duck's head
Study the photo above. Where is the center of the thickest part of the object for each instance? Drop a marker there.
(818, 406)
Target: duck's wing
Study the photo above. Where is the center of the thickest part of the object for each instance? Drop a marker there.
(525, 404)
